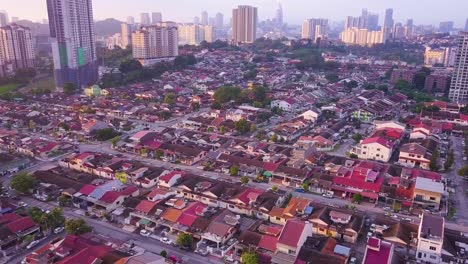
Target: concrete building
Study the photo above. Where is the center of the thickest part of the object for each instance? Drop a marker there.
(244, 24)
(219, 20)
(446, 26)
(114, 41)
(438, 83)
(155, 43)
(16, 49)
(204, 18)
(428, 193)
(362, 37)
(126, 35)
(145, 19)
(3, 18)
(314, 28)
(459, 85)
(466, 25)
(156, 17)
(430, 239)
(193, 34)
(388, 21)
(130, 20)
(73, 42)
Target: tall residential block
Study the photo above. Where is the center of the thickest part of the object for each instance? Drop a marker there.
(388, 21)
(459, 85)
(73, 42)
(362, 37)
(194, 34)
(314, 28)
(155, 43)
(156, 17)
(145, 19)
(126, 34)
(244, 24)
(466, 25)
(3, 18)
(16, 49)
(130, 20)
(219, 20)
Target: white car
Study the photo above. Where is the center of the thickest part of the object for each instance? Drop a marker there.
(32, 244)
(166, 240)
(59, 230)
(145, 233)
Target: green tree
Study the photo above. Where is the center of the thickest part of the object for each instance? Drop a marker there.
(222, 129)
(234, 170)
(274, 188)
(249, 257)
(130, 66)
(169, 99)
(195, 106)
(253, 128)
(22, 182)
(242, 126)
(357, 198)
(216, 105)
(225, 94)
(305, 186)
(184, 240)
(332, 77)
(114, 141)
(357, 137)
(163, 253)
(449, 161)
(353, 156)
(274, 138)
(105, 134)
(463, 171)
(64, 126)
(244, 180)
(69, 88)
(259, 93)
(433, 164)
(77, 227)
(63, 200)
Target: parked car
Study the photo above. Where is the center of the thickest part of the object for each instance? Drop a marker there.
(22, 204)
(166, 240)
(59, 230)
(300, 190)
(328, 195)
(32, 244)
(145, 233)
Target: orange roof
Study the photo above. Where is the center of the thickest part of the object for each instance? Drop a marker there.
(276, 212)
(172, 215)
(294, 205)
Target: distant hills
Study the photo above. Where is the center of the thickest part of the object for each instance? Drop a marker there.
(106, 27)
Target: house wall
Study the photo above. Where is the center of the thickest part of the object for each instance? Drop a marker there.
(406, 160)
(429, 251)
(375, 151)
(427, 196)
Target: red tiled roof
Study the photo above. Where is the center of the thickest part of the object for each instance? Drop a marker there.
(21, 224)
(48, 147)
(187, 219)
(268, 242)
(291, 233)
(156, 192)
(83, 156)
(249, 195)
(145, 206)
(110, 196)
(168, 177)
(87, 189)
(382, 255)
(378, 140)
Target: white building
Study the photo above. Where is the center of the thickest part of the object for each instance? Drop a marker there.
(374, 148)
(459, 85)
(314, 28)
(244, 24)
(194, 34)
(430, 239)
(16, 49)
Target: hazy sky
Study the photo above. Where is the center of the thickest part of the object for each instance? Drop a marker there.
(295, 11)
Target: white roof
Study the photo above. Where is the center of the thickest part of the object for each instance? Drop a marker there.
(429, 185)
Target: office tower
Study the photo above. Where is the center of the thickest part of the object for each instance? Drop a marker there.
(204, 18)
(466, 25)
(156, 17)
(145, 19)
(279, 15)
(3, 18)
(373, 21)
(367, 20)
(314, 28)
(130, 20)
(73, 42)
(388, 22)
(219, 20)
(351, 22)
(398, 31)
(126, 35)
(409, 28)
(446, 26)
(244, 24)
(194, 34)
(16, 49)
(459, 85)
(196, 20)
(155, 43)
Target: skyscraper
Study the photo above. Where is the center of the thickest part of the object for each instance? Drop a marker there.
(372, 21)
(314, 28)
(3, 18)
(466, 25)
(409, 28)
(388, 22)
(145, 19)
(367, 20)
(196, 20)
(126, 33)
(244, 24)
(155, 43)
(279, 15)
(73, 42)
(156, 17)
(459, 85)
(16, 49)
(130, 20)
(446, 26)
(204, 18)
(193, 34)
(219, 20)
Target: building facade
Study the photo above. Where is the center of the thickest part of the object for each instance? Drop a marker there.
(362, 37)
(73, 42)
(194, 34)
(155, 43)
(126, 34)
(244, 24)
(156, 17)
(16, 49)
(314, 28)
(459, 85)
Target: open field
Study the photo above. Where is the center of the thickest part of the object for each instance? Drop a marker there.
(8, 87)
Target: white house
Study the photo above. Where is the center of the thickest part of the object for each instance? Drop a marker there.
(311, 115)
(430, 239)
(285, 105)
(374, 148)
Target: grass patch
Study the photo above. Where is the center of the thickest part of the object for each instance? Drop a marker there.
(8, 87)
(43, 84)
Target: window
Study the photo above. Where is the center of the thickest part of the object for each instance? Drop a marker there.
(432, 248)
(378, 149)
(433, 257)
(278, 218)
(321, 229)
(432, 198)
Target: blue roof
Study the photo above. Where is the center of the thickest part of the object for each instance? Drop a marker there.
(342, 250)
(308, 210)
(114, 185)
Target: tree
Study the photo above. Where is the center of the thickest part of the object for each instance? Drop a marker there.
(351, 84)
(130, 66)
(449, 161)
(222, 129)
(274, 188)
(259, 93)
(233, 170)
(169, 99)
(242, 126)
(77, 227)
(22, 182)
(55, 218)
(63, 200)
(163, 253)
(463, 171)
(114, 141)
(357, 137)
(433, 164)
(225, 94)
(216, 105)
(64, 126)
(274, 138)
(357, 198)
(276, 110)
(164, 115)
(106, 134)
(69, 88)
(353, 156)
(249, 257)
(305, 186)
(253, 128)
(332, 77)
(244, 180)
(195, 106)
(184, 240)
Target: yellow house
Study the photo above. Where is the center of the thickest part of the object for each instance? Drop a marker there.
(428, 193)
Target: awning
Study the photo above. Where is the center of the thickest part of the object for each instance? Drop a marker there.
(144, 221)
(267, 174)
(407, 203)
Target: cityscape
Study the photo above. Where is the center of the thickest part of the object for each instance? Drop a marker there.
(256, 135)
